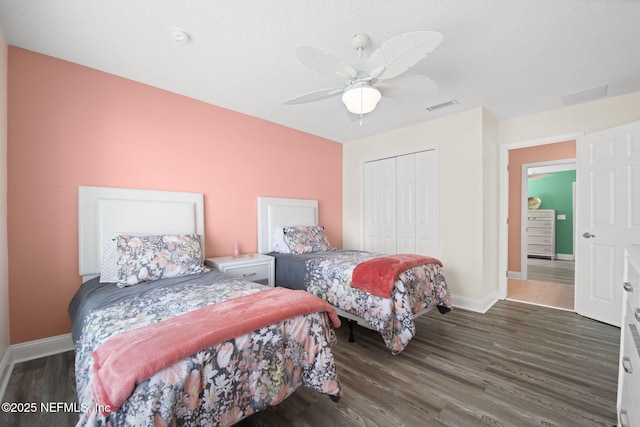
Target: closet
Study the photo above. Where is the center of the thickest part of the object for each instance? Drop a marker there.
(401, 213)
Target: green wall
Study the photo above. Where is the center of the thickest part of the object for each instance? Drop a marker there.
(555, 192)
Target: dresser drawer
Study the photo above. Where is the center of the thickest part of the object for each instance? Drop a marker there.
(539, 223)
(540, 249)
(540, 240)
(540, 231)
(632, 284)
(542, 213)
(629, 411)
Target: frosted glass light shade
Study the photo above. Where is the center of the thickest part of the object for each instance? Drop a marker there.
(361, 98)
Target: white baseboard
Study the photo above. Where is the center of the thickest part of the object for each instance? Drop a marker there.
(472, 304)
(514, 274)
(41, 348)
(6, 367)
(565, 257)
(28, 351)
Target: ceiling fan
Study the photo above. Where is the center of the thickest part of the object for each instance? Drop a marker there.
(365, 84)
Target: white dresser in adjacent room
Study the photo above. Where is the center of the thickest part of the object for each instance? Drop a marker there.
(629, 368)
(541, 233)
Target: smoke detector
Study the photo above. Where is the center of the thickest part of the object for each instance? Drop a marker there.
(180, 35)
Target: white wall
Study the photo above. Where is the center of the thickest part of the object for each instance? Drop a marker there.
(4, 275)
(546, 126)
(588, 118)
(467, 144)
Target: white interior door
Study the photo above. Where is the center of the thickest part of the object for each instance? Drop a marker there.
(607, 218)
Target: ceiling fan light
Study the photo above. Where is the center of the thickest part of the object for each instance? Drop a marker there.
(361, 98)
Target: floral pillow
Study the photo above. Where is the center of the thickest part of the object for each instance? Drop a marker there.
(306, 239)
(147, 258)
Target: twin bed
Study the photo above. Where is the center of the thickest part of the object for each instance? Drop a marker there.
(161, 339)
(165, 341)
(384, 293)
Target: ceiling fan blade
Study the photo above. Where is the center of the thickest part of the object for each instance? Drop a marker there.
(315, 96)
(410, 81)
(375, 74)
(324, 63)
(400, 53)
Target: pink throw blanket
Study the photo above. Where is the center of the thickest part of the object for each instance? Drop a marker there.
(124, 360)
(377, 276)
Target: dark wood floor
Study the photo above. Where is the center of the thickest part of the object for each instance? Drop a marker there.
(516, 365)
(547, 270)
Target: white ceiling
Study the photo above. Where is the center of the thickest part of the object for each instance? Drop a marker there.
(513, 57)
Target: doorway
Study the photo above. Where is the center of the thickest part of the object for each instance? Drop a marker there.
(547, 272)
(533, 280)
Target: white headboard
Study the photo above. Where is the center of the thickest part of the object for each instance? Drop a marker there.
(105, 210)
(274, 212)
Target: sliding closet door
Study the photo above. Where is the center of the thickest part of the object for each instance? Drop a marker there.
(401, 204)
(380, 206)
(406, 204)
(417, 195)
(427, 230)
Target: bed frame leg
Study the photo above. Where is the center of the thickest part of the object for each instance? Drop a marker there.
(351, 338)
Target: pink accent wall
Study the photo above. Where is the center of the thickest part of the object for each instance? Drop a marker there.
(69, 125)
(517, 158)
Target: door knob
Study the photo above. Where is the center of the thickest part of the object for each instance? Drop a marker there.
(588, 235)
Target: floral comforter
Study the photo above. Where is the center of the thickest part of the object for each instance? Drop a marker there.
(328, 276)
(219, 385)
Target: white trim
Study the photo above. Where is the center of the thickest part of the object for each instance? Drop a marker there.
(503, 244)
(30, 350)
(472, 304)
(41, 348)
(6, 368)
(539, 305)
(542, 141)
(514, 274)
(553, 166)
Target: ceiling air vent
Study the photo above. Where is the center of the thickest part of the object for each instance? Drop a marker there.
(585, 95)
(442, 105)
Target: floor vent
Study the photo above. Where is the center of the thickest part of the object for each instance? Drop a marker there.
(442, 105)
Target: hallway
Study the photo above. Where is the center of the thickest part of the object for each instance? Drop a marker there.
(549, 283)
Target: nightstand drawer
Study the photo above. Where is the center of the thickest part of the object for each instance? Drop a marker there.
(257, 268)
(252, 273)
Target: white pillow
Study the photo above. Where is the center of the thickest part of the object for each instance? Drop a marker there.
(109, 264)
(279, 245)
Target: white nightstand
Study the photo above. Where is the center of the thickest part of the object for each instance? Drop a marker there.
(257, 268)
